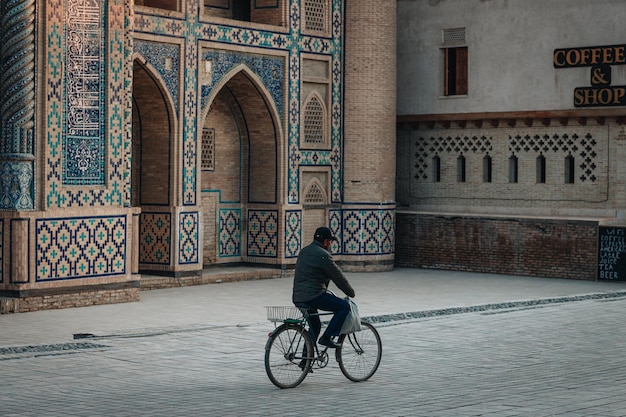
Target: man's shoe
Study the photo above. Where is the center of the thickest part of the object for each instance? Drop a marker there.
(328, 342)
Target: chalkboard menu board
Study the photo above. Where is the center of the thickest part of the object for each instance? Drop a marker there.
(612, 254)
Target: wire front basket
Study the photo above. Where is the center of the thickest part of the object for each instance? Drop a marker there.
(278, 314)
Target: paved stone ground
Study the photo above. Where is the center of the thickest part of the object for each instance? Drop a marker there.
(555, 359)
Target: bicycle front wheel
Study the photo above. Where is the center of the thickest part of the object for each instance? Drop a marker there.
(360, 353)
(288, 355)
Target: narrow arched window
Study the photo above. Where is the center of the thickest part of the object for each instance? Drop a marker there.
(460, 168)
(487, 168)
(314, 122)
(569, 169)
(541, 169)
(436, 168)
(513, 169)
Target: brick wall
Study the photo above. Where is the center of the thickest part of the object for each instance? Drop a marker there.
(77, 299)
(516, 246)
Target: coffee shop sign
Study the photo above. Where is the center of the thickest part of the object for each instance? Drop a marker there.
(599, 59)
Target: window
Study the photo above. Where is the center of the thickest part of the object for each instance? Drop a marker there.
(436, 169)
(455, 61)
(541, 169)
(569, 169)
(314, 122)
(315, 15)
(460, 169)
(487, 168)
(159, 4)
(241, 10)
(513, 169)
(207, 150)
(455, 71)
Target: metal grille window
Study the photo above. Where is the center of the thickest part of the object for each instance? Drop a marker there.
(315, 195)
(208, 150)
(315, 12)
(314, 121)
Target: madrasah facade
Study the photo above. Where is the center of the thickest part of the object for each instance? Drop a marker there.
(172, 136)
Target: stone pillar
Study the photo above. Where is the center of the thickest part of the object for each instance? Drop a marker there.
(370, 101)
(369, 169)
(17, 104)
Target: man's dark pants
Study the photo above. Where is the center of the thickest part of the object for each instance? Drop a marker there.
(328, 302)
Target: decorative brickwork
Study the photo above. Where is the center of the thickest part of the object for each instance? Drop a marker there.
(155, 238)
(263, 233)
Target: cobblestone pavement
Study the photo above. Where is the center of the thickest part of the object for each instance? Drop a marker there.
(556, 359)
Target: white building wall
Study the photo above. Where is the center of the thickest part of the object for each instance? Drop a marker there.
(510, 44)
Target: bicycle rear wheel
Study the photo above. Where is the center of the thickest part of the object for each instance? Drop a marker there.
(360, 353)
(288, 355)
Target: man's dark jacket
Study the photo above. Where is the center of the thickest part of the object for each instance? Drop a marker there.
(315, 268)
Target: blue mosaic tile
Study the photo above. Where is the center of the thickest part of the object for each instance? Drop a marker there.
(368, 231)
(189, 231)
(80, 247)
(85, 91)
(229, 244)
(269, 69)
(293, 233)
(1, 250)
(157, 53)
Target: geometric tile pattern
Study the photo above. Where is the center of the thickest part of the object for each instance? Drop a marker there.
(368, 231)
(229, 233)
(335, 223)
(80, 247)
(294, 43)
(263, 233)
(155, 238)
(165, 58)
(293, 233)
(188, 239)
(270, 70)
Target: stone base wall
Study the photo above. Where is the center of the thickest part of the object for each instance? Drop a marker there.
(84, 298)
(557, 248)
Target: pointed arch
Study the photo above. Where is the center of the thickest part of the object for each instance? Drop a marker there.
(315, 132)
(258, 84)
(154, 135)
(153, 72)
(315, 194)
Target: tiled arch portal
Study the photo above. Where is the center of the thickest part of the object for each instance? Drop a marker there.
(177, 51)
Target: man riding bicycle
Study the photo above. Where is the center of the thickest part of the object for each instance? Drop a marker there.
(315, 269)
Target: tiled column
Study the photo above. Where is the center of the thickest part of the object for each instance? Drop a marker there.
(17, 104)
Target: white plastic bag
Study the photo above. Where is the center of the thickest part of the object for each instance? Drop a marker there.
(353, 320)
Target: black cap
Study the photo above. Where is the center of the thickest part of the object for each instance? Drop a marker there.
(323, 233)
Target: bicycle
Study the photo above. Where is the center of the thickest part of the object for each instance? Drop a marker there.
(291, 353)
